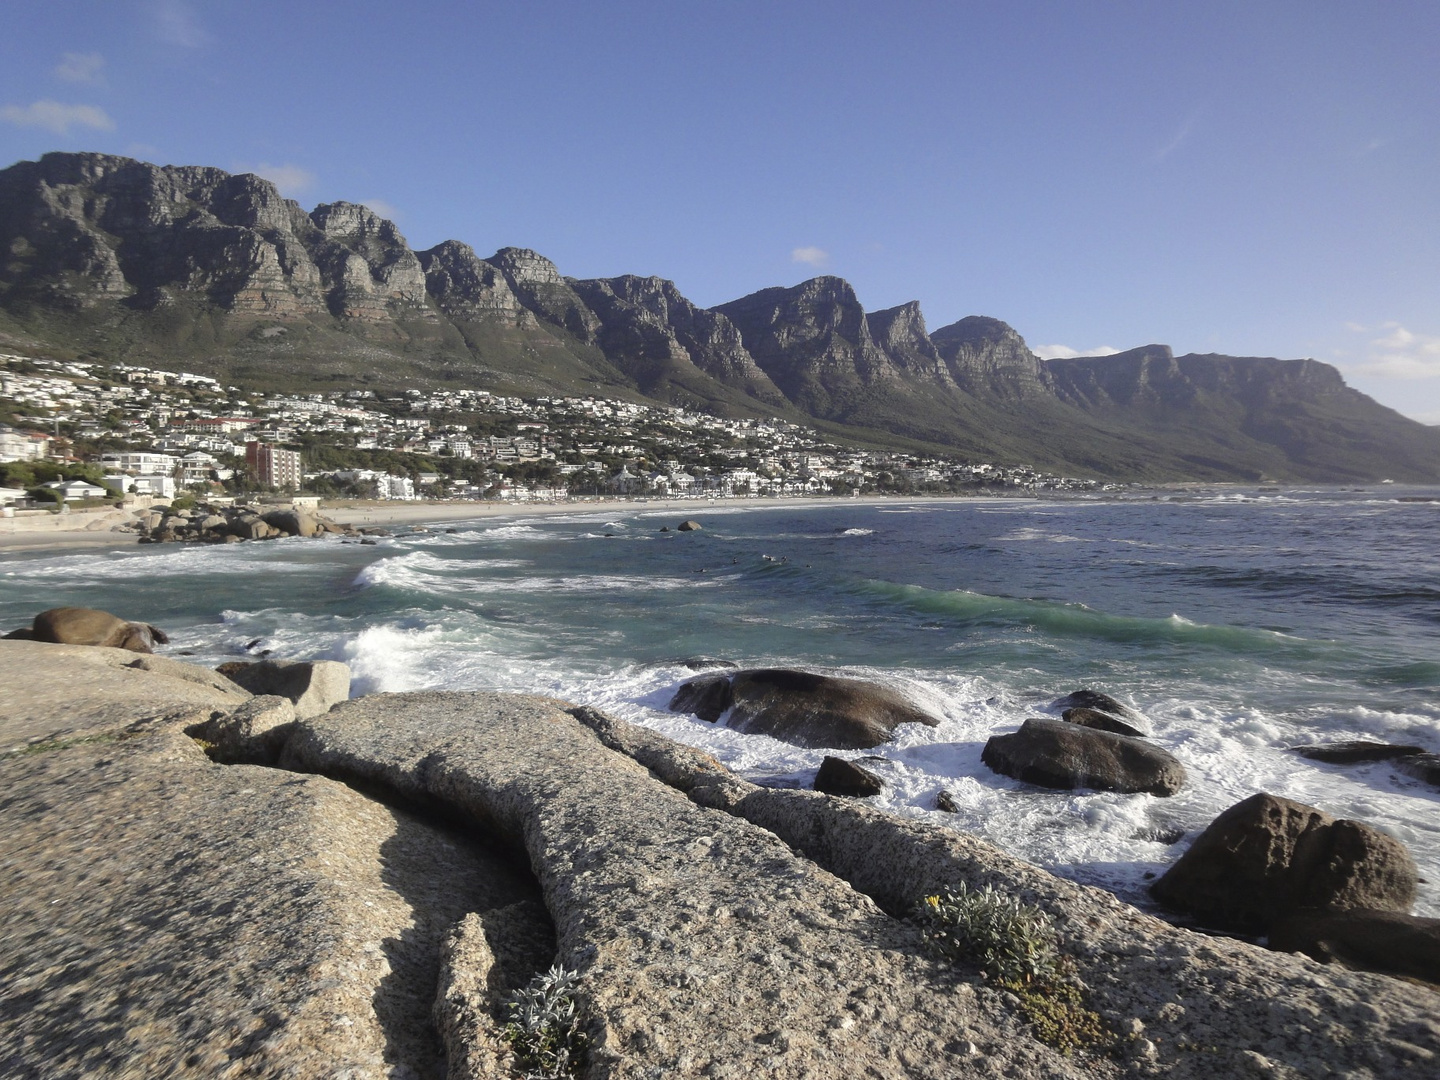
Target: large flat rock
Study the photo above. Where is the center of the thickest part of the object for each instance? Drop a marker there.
(707, 946)
(64, 691)
(359, 906)
(163, 915)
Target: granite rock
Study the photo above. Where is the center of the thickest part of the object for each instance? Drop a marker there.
(1057, 754)
(1266, 857)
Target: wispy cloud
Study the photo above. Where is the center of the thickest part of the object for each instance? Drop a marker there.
(1397, 353)
(1178, 139)
(810, 256)
(290, 179)
(177, 24)
(57, 117)
(380, 206)
(87, 68)
(1065, 352)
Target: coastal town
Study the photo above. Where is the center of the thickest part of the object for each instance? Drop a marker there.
(103, 429)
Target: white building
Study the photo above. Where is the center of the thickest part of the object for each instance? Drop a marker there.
(135, 463)
(395, 487)
(22, 445)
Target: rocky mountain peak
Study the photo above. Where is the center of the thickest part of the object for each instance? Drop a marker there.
(540, 287)
(652, 332)
(524, 265)
(899, 333)
(986, 355)
(465, 286)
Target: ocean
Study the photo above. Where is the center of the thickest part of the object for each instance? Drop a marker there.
(1240, 622)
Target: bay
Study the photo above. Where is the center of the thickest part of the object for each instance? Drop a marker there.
(1241, 622)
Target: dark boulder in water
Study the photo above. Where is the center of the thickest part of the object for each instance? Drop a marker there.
(802, 708)
(1101, 721)
(707, 698)
(1383, 941)
(1094, 699)
(1267, 857)
(1055, 754)
(704, 663)
(1358, 750)
(840, 777)
(689, 526)
(1424, 767)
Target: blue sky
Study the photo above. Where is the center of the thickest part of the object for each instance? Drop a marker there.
(1252, 178)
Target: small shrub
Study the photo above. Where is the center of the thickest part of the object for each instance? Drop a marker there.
(544, 1027)
(1012, 940)
(1018, 947)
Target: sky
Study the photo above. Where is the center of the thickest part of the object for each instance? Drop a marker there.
(1256, 178)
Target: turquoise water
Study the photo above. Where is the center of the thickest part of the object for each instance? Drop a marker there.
(1240, 623)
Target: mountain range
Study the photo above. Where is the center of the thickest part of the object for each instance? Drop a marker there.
(194, 268)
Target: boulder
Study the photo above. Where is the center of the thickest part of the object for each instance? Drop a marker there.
(802, 708)
(1424, 767)
(689, 526)
(1383, 941)
(707, 698)
(840, 777)
(1100, 721)
(86, 626)
(1350, 753)
(293, 523)
(945, 801)
(313, 685)
(1094, 699)
(250, 527)
(1055, 754)
(1267, 857)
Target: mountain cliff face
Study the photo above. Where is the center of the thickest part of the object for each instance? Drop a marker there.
(198, 269)
(814, 343)
(987, 356)
(651, 331)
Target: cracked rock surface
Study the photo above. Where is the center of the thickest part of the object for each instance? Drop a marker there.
(358, 905)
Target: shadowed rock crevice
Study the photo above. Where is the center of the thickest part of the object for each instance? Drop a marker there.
(480, 928)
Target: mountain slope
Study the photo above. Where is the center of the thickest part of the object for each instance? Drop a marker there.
(197, 269)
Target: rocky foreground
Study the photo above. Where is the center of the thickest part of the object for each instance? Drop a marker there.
(358, 900)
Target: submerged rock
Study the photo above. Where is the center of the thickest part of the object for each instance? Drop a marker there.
(1425, 767)
(1104, 703)
(1055, 754)
(1267, 857)
(801, 708)
(707, 698)
(1100, 721)
(1358, 750)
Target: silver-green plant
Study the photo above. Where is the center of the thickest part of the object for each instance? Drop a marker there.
(1019, 948)
(544, 1026)
(1012, 940)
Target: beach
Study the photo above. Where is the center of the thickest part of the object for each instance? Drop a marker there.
(41, 530)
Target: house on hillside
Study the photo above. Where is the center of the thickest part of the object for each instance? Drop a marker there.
(22, 445)
(79, 489)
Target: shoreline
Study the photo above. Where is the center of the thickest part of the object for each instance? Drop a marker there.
(91, 529)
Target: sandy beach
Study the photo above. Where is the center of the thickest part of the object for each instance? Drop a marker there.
(44, 531)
